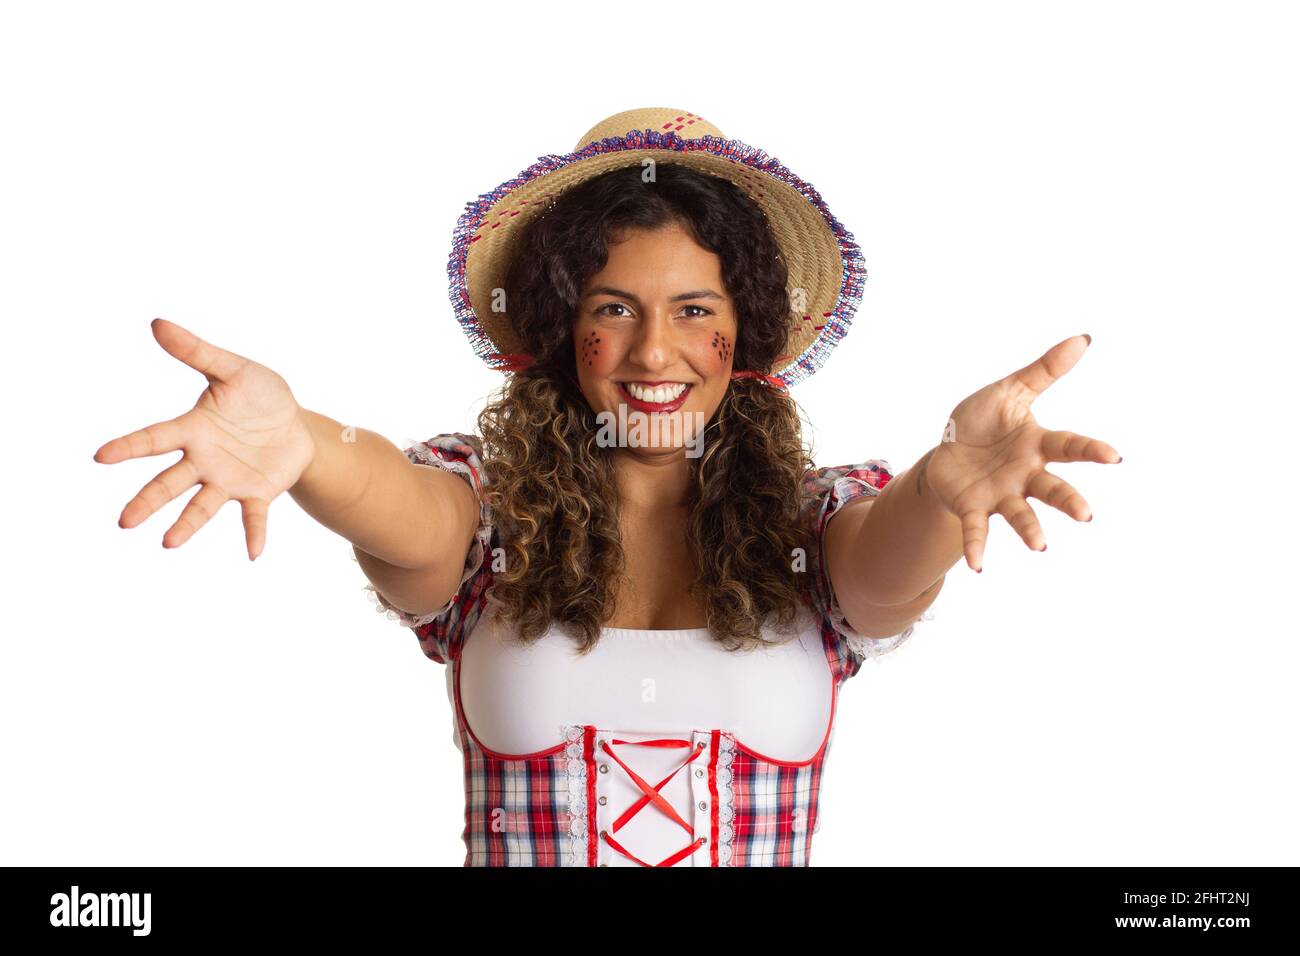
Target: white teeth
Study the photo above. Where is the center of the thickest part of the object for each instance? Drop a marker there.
(658, 395)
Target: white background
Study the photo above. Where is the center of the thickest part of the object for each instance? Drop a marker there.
(283, 179)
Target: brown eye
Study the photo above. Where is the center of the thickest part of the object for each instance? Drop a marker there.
(611, 305)
(707, 312)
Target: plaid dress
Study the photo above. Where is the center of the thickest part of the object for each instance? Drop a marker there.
(549, 807)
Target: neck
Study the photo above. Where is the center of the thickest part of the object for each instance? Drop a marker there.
(652, 481)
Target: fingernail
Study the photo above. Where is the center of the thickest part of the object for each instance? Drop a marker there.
(1088, 337)
(1121, 458)
(1043, 548)
(980, 569)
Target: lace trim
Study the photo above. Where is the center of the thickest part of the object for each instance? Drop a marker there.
(473, 560)
(394, 614)
(423, 453)
(576, 771)
(845, 490)
(726, 798)
(872, 647)
(576, 778)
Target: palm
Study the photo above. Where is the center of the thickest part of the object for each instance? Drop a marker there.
(254, 444)
(244, 439)
(999, 456)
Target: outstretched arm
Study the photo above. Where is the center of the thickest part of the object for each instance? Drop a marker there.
(249, 440)
(921, 542)
(992, 459)
(411, 526)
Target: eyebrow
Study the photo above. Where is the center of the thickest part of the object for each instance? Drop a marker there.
(619, 293)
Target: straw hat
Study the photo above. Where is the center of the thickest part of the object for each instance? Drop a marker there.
(825, 266)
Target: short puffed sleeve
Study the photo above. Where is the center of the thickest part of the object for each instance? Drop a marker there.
(442, 632)
(826, 491)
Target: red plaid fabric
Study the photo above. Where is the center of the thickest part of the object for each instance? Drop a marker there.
(536, 809)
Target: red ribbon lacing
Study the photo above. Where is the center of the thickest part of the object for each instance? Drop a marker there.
(652, 795)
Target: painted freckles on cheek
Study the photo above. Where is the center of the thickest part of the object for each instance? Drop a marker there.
(589, 348)
(721, 345)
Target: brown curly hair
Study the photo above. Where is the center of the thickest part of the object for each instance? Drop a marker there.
(551, 485)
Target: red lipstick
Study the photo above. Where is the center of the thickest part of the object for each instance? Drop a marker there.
(640, 406)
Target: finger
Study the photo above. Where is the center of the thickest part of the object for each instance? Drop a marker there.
(196, 514)
(1060, 494)
(254, 526)
(156, 439)
(1071, 446)
(1022, 518)
(216, 363)
(974, 531)
(1054, 363)
(166, 485)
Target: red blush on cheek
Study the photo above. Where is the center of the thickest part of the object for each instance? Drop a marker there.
(721, 347)
(589, 351)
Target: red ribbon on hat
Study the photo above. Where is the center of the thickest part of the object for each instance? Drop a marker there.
(770, 379)
(510, 362)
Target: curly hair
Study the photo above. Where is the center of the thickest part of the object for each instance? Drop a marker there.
(551, 485)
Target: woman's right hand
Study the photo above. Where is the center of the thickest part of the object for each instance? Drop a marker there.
(246, 438)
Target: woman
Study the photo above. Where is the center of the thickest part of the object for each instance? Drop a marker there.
(631, 571)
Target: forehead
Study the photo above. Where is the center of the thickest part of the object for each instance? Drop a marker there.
(662, 259)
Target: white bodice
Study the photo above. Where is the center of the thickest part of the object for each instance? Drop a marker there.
(775, 700)
(640, 685)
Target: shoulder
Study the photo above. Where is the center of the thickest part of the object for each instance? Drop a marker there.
(826, 490)
(875, 473)
(459, 452)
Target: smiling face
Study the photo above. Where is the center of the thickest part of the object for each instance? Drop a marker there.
(655, 328)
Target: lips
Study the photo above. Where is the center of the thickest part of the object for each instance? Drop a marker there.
(640, 406)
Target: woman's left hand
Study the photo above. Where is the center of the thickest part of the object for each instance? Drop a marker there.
(993, 455)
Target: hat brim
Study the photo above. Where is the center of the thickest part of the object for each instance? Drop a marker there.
(821, 255)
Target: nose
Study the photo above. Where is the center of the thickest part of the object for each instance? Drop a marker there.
(654, 346)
